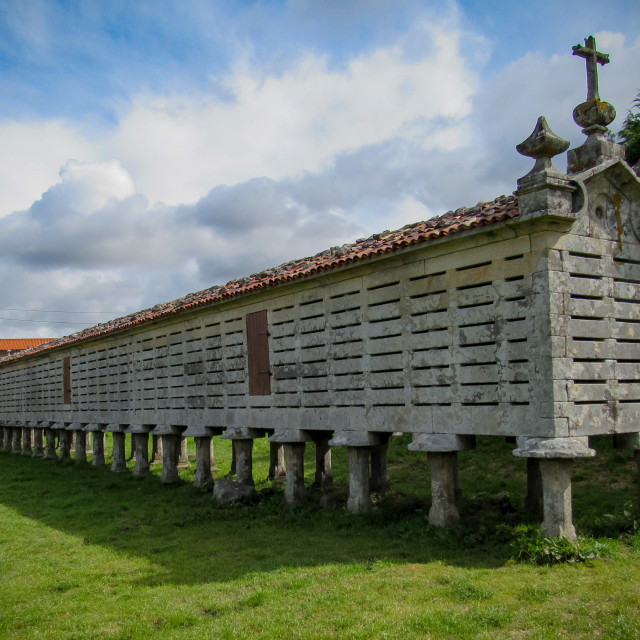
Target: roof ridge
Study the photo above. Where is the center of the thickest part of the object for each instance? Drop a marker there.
(451, 222)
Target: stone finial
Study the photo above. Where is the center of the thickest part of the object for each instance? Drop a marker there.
(544, 190)
(594, 115)
(542, 145)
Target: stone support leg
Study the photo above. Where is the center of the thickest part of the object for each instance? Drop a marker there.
(324, 473)
(65, 445)
(234, 458)
(636, 455)
(16, 446)
(533, 501)
(1, 438)
(183, 458)
(212, 456)
(156, 449)
(81, 447)
(119, 463)
(98, 448)
(444, 509)
(244, 461)
(359, 494)
(379, 481)
(203, 477)
(50, 438)
(556, 490)
(38, 445)
(141, 442)
(170, 454)
(276, 461)
(26, 441)
(294, 460)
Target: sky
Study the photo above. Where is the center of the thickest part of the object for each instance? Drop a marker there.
(150, 149)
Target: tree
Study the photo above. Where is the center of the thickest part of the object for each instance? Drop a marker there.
(629, 135)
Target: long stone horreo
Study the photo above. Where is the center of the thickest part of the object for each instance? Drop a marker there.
(518, 317)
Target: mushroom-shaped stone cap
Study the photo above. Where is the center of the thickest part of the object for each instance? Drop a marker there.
(542, 143)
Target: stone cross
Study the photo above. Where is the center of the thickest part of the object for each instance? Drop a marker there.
(593, 58)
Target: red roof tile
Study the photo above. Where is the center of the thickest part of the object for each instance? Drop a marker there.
(16, 344)
(484, 213)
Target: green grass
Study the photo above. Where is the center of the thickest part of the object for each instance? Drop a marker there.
(86, 553)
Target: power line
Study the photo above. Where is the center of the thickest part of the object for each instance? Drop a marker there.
(52, 311)
(86, 324)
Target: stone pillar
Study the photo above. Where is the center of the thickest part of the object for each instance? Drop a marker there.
(65, 445)
(324, 473)
(556, 490)
(26, 441)
(156, 449)
(442, 457)
(170, 454)
(119, 463)
(244, 461)
(234, 458)
(212, 457)
(555, 456)
(141, 446)
(8, 438)
(533, 503)
(444, 508)
(1, 437)
(38, 444)
(50, 437)
(294, 460)
(359, 492)
(203, 477)
(81, 447)
(276, 461)
(98, 448)
(183, 458)
(379, 480)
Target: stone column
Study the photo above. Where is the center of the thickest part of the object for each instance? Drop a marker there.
(98, 449)
(294, 460)
(324, 473)
(38, 444)
(276, 461)
(442, 457)
(81, 447)
(1, 437)
(26, 441)
(444, 508)
(214, 467)
(359, 491)
(170, 454)
(630, 441)
(379, 480)
(50, 436)
(141, 446)
(203, 477)
(119, 462)
(533, 503)
(555, 457)
(244, 461)
(65, 444)
(183, 458)
(156, 449)
(8, 438)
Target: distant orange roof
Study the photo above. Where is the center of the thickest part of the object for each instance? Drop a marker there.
(18, 344)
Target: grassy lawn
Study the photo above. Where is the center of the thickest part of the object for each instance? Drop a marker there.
(86, 553)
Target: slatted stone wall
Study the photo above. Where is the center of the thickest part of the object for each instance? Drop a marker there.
(603, 336)
(442, 343)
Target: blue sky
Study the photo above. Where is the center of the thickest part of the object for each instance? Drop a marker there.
(150, 149)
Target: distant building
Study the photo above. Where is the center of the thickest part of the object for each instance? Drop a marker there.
(8, 346)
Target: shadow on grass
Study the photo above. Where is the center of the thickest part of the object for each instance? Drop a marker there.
(186, 539)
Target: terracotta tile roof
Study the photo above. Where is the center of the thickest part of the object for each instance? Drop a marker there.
(482, 214)
(19, 344)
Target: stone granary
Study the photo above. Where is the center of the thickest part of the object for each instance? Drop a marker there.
(518, 317)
